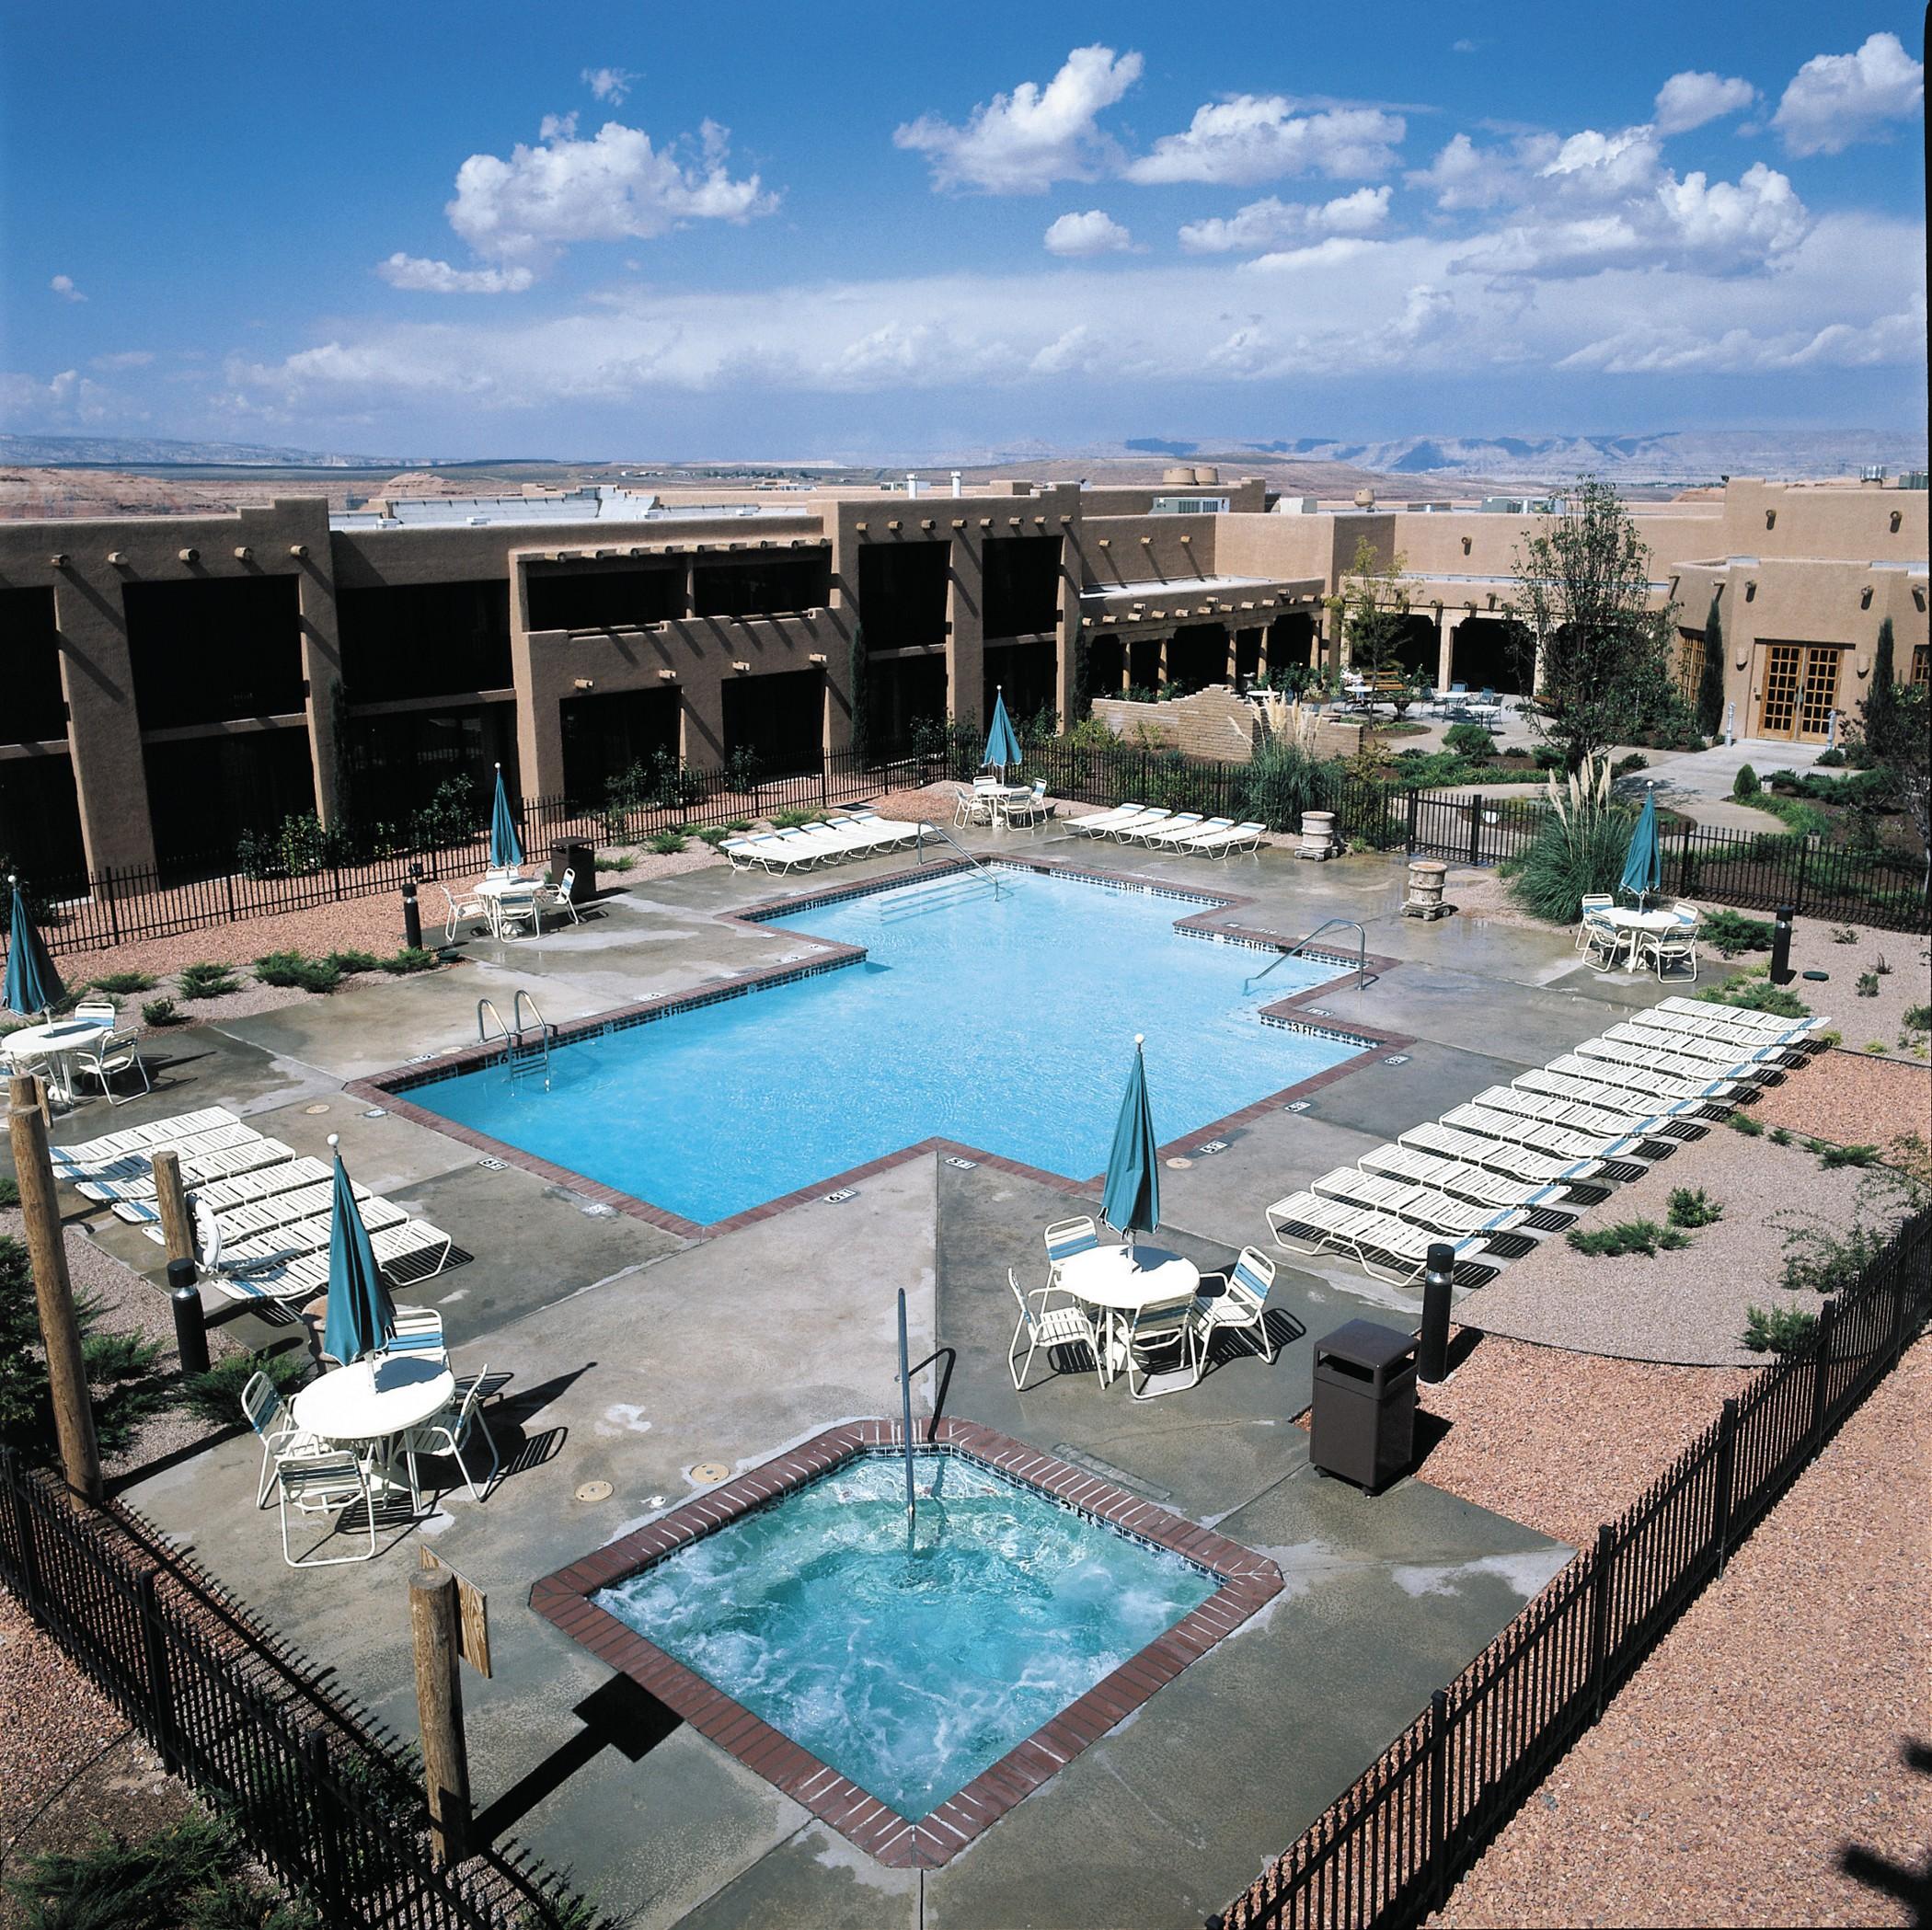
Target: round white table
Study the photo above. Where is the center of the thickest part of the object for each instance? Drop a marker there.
(1119, 1283)
(52, 1043)
(493, 890)
(1637, 925)
(372, 1403)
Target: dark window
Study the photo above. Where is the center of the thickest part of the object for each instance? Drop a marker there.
(1485, 657)
(424, 641)
(40, 819)
(763, 586)
(396, 765)
(1197, 656)
(1022, 585)
(31, 707)
(1144, 662)
(901, 593)
(604, 736)
(607, 599)
(202, 794)
(228, 647)
(1023, 675)
(780, 718)
(1291, 641)
(1105, 667)
(1247, 657)
(900, 694)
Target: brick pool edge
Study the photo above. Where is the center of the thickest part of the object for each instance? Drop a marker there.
(1247, 1581)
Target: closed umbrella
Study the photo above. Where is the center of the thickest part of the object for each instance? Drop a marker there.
(1002, 745)
(1644, 868)
(505, 852)
(32, 983)
(1130, 1202)
(361, 1314)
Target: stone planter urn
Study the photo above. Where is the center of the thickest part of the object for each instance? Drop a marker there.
(1318, 839)
(1426, 879)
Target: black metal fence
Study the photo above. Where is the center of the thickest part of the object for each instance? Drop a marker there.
(1388, 1852)
(87, 913)
(331, 1804)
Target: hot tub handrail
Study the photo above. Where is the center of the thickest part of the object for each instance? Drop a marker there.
(906, 1410)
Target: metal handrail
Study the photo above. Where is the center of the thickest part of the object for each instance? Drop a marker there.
(483, 1006)
(515, 1046)
(945, 837)
(1302, 944)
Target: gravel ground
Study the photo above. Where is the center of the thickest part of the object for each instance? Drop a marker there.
(1687, 1305)
(1880, 1019)
(1564, 1440)
(1848, 1098)
(1763, 1737)
(1476, 892)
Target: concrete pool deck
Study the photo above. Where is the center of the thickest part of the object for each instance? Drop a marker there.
(637, 1355)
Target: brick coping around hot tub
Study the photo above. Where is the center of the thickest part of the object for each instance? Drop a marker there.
(390, 1089)
(1247, 1581)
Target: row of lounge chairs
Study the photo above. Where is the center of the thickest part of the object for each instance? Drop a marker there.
(1172, 831)
(1518, 1162)
(262, 1215)
(856, 835)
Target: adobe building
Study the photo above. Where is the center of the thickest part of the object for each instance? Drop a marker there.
(166, 681)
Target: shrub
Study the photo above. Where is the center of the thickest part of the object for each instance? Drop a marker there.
(1918, 1018)
(348, 961)
(1745, 784)
(1830, 1157)
(1281, 782)
(207, 981)
(407, 959)
(1831, 758)
(1780, 1135)
(1844, 935)
(1753, 993)
(292, 969)
(1751, 1127)
(1874, 1045)
(713, 836)
(1635, 761)
(1644, 1237)
(1730, 932)
(793, 820)
(1867, 985)
(1579, 848)
(1550, 757)
(1689, 1209)
(1820, 1257)
(217, 1394)
(1469, 740)
(666, 842)
(119, 985)
(158, 1012)
(9, 1191)
(1777, 1330)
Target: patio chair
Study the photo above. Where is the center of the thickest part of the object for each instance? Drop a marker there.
(1048, 1326)
(561, 897)
(1164, 1328)
(521, 907)
(1241, 1307)
(97, 1011)
(457, 911)
(1676, 945)
(1733, 1014)
(1066, 1237)
(326, 1483)
(419, 1330)
(449, 1433)
(272, 1419)
(1593, 902)
(1030, 809)
(107, 1058)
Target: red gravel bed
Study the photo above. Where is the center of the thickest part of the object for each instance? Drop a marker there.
(1764, 1737)
(1852, 1099)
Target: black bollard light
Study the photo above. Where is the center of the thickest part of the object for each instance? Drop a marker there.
(190, 1329)
(412, 911)
(1781, 946)
(1433, 1349)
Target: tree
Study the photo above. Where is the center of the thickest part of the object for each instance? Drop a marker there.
(1082, 695)
(1373, 608)
(856, 669)
(1898, 738)
(1711, 685)
(1881, 700)
(1582, 604)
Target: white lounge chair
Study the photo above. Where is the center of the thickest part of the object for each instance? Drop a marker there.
(1623, 1099)
(1737, 1050)
(1475, 1184)
(1097, 825)
(1669, 1079)
(1145, 833)
(1562, 1142)
(1575, 1114)
(1181, 832)
(1510, 1158)
(1792, 1035)
(1706, 1011)
(1231, 842)
(1426, 1206)
(1381, 1244)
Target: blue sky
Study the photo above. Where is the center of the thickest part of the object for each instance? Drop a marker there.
(887, 230)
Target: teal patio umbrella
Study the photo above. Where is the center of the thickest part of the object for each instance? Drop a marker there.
(1002, 745)
(1130, 1202)
(32, 983)
(1644, 868)
(361, 1314)
(505, 852)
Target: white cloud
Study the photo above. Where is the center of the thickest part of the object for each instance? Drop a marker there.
(1464, 176)
(1673, 348)
(418, 274)
(1273, 222)
(1250, 138)
(63, 286)
(556, 127)
(614, 186)
(1093, 233)
(1022, 141)
(1838, 98)
(1689, 99)
(1596, 167)
(611, 83)
(1463, 46)
(125, 359)
(66, 400)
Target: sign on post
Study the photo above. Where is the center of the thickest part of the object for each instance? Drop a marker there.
(472, 1616)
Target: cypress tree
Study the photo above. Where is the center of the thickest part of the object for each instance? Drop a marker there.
(859, 696)
(1880, 709)
(1710, 684)
(1083, 696)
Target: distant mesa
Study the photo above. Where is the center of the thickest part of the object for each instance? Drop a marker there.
(1153, 445)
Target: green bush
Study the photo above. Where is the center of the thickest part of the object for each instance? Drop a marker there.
(1831, 1156)
(159, 1012)
(1744, 785)
(666, 842)
(1281, 782)
(119, 985)
(1751, 1126)
(292, 969)
(1780, 1135)
(1833, 758)
(1550, 757)
(1689, 1209)
(1469, 740)
(1755, 994)
(1644, 1237)
(794, 819)
(407, 959)
(1918, 1018)
(1635, 761)
(217, 1394)
(1777, 1330)
(713, 836)
(1572, 856)
(347, 961)
(1732, 932)
(206, 980)
(9, 1191)
(1866, 986)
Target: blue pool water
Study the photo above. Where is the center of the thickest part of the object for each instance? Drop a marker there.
(909, 1664)
(1004, 1023)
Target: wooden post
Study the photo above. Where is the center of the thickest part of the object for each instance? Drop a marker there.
(171, 1197)
(47, 1255)
(438, 1707)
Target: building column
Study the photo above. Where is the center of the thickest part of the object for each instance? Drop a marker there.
(1068, 634)
(1447, 623)
(965, 632)
(322, 672)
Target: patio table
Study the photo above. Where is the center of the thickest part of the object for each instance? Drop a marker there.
(1636, 926)
(1118, 1283)
(53, 1041)
(371, 1402)
(492, 891)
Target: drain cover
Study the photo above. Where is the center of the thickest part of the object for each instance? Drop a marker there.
(315, 1108)
(594, 1491)
(708, 1473)
(1178, 1163)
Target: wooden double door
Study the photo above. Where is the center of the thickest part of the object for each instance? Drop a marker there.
(1799, 682)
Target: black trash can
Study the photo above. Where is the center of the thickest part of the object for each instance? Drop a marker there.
(579, 859)
(1363, 1426)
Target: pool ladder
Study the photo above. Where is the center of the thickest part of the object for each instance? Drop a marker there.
(979, 866)
(1302, 944)
(527, 1046)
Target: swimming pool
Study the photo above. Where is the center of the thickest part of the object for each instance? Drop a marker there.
(1005, 1022)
